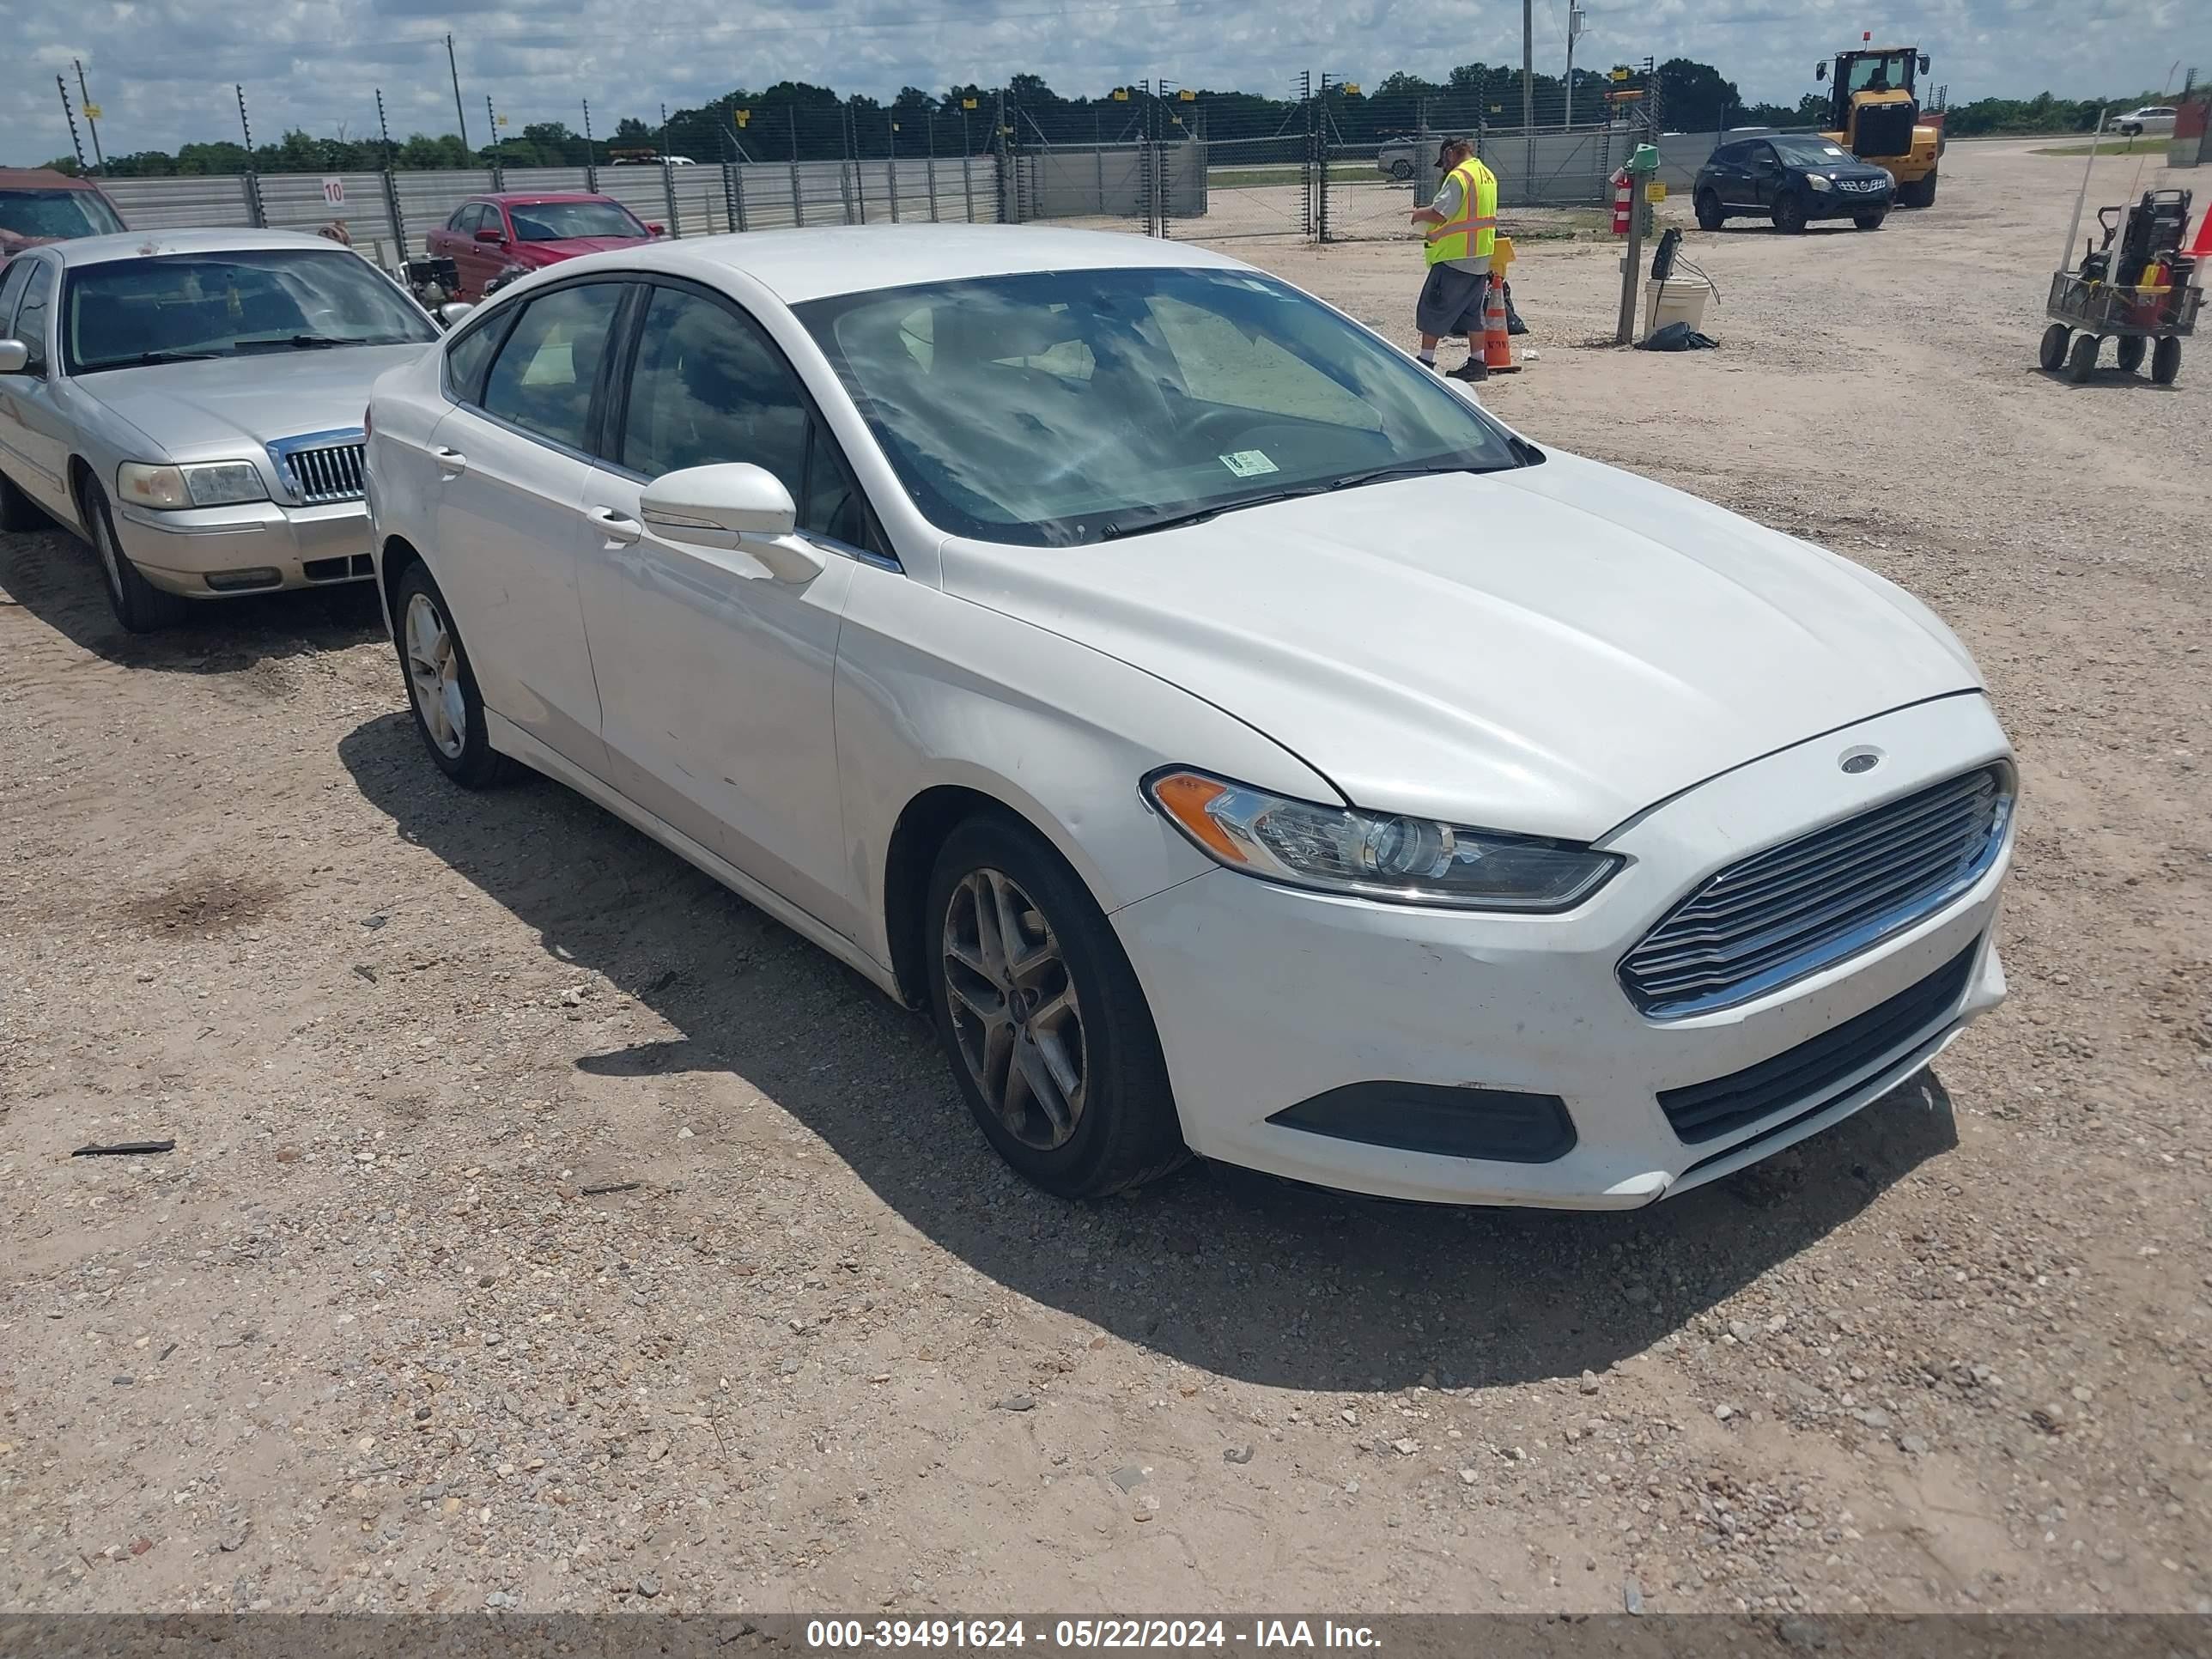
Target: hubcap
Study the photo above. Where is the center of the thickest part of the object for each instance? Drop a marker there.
(1014, 1010)
(434, 674)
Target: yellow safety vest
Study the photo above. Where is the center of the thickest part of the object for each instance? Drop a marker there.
(1474, 234)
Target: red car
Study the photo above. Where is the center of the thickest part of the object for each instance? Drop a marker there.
(488, 234)
(38, 205)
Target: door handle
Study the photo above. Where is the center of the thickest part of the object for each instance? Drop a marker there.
(451, 462)
(617, 527)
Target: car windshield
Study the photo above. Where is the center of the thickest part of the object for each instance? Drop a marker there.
(227, 305)
(1885, 72)
(1811, 153)
(1061, 407)
(561, 221)
(54, 214)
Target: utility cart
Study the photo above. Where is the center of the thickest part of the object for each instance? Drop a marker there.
(2135, 288)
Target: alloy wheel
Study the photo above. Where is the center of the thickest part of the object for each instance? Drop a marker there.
(1015, 1016)
(434, 674)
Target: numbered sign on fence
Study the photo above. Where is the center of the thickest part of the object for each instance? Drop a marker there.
(334, 192)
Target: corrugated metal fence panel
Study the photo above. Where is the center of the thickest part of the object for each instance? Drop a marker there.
(179, 204)
(774, 194)
(426, 200)
(522, 180)
(640, 190)
(294, 201)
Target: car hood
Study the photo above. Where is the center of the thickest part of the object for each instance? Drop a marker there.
(194, 409)
(1549, 650)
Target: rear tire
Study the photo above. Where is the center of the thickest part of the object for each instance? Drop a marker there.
(2081, 361)
(17, 510)
(441, 685)
(1789, 215)
(2165, 359)
(1710, 215)
(2131, 351)
(1027, 980)
(2052, 352)
(140, 606)
(1401, 170)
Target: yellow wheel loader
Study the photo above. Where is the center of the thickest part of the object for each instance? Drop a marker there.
(1875, 113)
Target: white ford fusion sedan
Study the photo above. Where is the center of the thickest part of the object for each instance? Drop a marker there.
(1239, 741)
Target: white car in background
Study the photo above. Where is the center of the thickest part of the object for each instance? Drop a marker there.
(1237, 740)
(2151, 118)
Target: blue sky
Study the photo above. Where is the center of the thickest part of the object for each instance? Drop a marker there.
(162, 69)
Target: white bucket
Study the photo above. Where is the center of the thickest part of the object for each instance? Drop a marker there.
(1678, 298)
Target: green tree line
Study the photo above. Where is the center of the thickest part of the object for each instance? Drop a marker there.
(797, 120)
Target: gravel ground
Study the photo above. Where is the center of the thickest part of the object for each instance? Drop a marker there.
(373, 1335)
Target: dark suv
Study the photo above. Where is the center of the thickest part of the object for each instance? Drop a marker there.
(38, 205)
(1791, 178)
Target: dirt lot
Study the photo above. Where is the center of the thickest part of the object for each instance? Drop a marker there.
(366, 1339)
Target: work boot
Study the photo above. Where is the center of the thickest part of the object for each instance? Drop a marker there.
(1472, 370)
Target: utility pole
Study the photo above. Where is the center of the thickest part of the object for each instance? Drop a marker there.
(1575, 16)
(452, 65)
(91, 116)
(76, 143)
(1528, 95)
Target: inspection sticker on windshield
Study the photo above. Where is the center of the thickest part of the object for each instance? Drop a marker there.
(1248, 463)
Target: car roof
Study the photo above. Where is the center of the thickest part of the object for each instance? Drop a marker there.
(152, 243)
(42, 179)
(534, 197)
(799, 266)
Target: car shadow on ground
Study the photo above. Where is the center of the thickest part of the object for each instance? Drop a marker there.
(1236, 1274)
(56, 578)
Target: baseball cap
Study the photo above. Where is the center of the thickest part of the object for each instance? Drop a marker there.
(1451, 140)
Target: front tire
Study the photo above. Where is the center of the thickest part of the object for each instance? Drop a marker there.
(2052, 352)
(1789, 215)
(1710, 215)
(2165, 359)
(441, 686)
(1042, 1019)
(1401, 170)
(1868, 220)
(140, 606)
(2081, 361)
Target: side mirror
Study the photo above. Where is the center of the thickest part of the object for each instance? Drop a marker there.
(1923, 63)
(737, 505)
(1820, 71)
(493, 236)
(15, 356)
(656, 230)
(452, 311)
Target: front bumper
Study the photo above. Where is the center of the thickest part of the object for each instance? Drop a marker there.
(303, 546)
(1849, 204)
(1266, 996)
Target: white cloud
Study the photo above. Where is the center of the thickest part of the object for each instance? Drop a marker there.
(163, 70)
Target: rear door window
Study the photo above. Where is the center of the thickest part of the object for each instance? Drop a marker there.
(544, 375)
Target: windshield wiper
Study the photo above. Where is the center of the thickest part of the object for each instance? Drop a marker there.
(157, 357)
(301, 341)
(1126, 527)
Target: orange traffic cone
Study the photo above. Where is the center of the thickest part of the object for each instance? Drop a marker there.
(2202, 247)
(1497, 343)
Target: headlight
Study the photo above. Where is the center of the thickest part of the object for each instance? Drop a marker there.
(1373, 854)
(1816, 181)
(215, 483)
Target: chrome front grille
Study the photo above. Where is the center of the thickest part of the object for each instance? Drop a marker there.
(320, 472)
(1795, 908)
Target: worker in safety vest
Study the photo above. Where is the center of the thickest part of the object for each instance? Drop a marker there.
(1462, 225)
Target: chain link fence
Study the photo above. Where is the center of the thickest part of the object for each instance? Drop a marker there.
(1318, 160)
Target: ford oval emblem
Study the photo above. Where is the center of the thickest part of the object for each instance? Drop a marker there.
(1856, 761)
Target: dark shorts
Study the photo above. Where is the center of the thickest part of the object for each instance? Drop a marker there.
(1450, 301)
